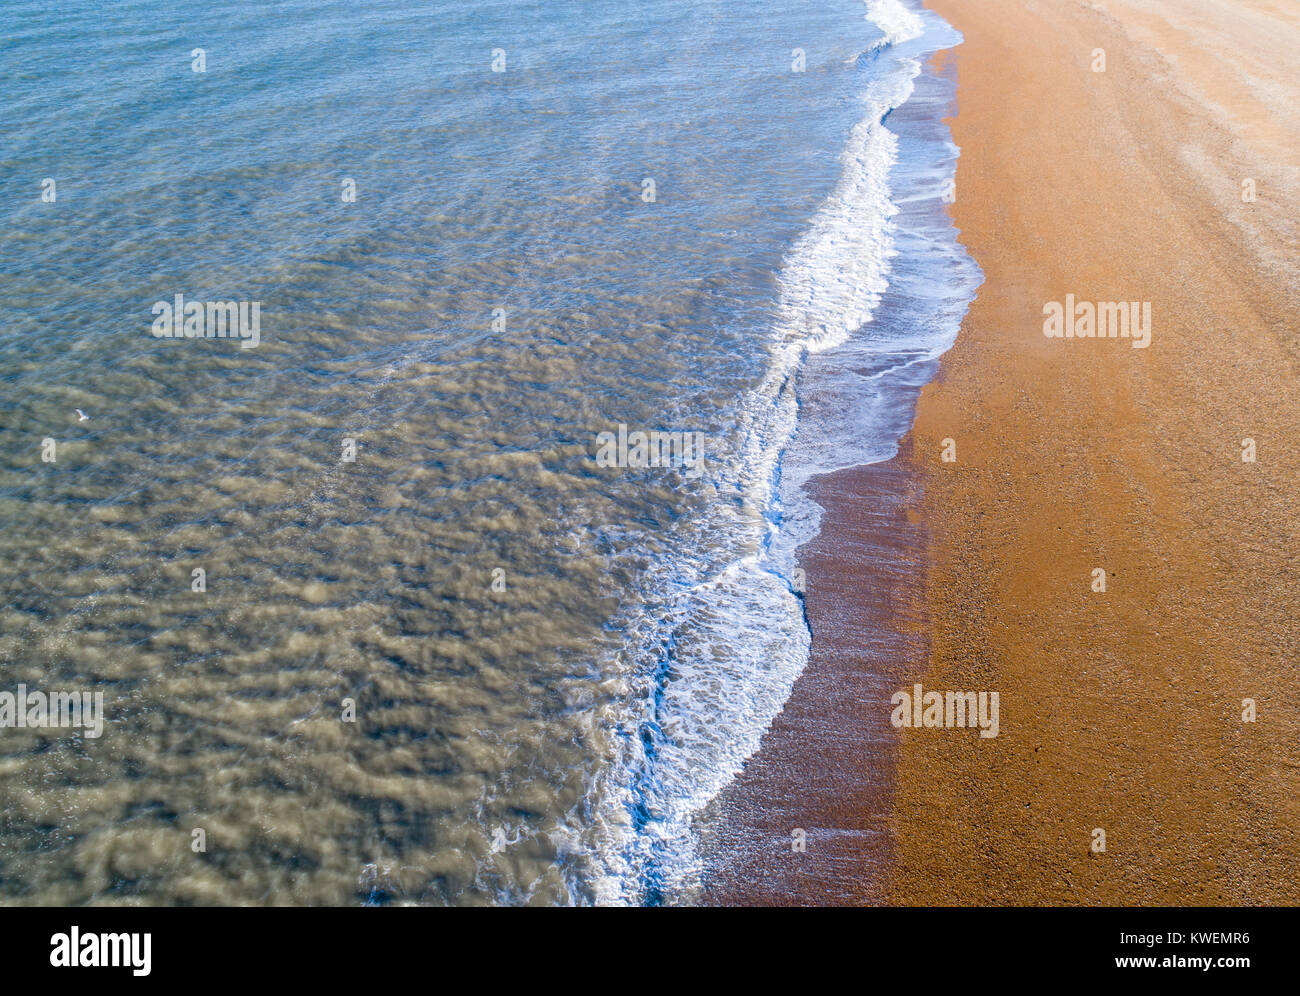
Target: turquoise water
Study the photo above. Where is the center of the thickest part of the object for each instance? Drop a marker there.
(470, 664)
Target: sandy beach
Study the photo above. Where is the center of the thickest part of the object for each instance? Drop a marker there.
(1164, 175)
(841, 452)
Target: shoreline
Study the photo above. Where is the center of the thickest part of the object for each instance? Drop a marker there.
(1120, 710)
(825, 766)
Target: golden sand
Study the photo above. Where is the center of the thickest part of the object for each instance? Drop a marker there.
(1120, 711)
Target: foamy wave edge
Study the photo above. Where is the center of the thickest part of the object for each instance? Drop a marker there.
(830, 284)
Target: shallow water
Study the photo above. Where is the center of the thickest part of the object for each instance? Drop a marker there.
(554, 664)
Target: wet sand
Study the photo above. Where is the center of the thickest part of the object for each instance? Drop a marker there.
(1120, 710)
(826, 765)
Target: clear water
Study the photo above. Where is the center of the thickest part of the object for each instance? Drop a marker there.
(554, 664)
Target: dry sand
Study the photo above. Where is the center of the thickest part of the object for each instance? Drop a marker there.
(1123, 710)
(1120, 710)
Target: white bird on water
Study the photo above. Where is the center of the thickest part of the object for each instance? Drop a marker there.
(81, 416)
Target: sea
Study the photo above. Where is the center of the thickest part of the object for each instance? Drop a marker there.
(379, 613)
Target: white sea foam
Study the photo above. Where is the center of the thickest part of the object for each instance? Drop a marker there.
(897, 22)
(734, 642)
